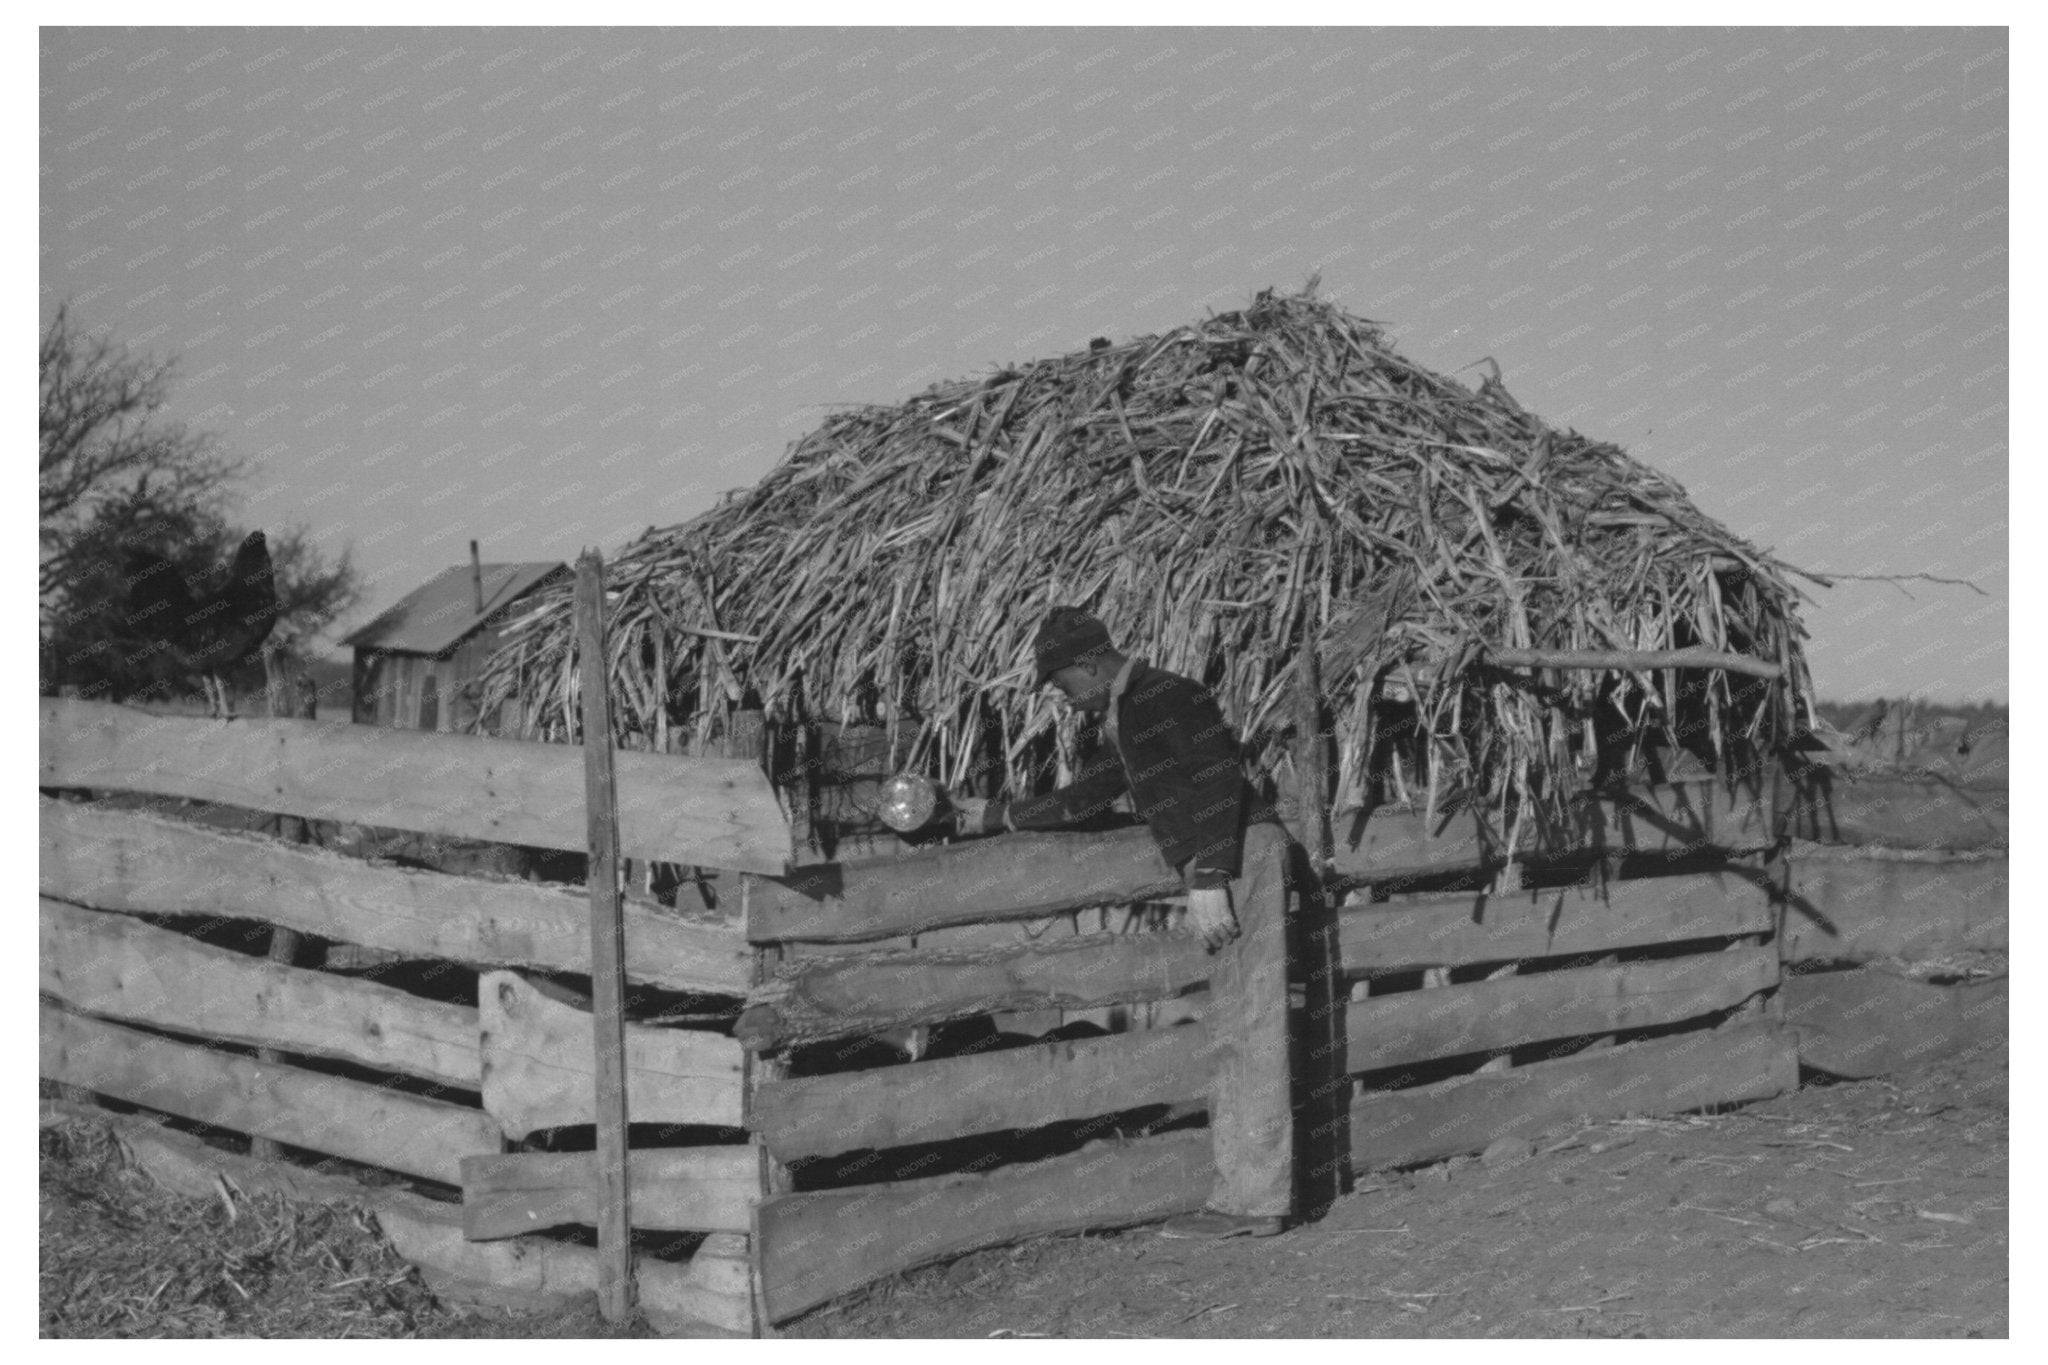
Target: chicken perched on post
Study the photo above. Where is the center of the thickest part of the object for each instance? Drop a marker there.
(183, 632)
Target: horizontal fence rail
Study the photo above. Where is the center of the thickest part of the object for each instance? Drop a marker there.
(1663, 1076)
(815, 1247)
(1026, 876)
(1458, 928)
(1899, 812)
(1839, 908)
(355, 1119)
(819, 998)
(1424, 1025)
(701, 1189)
(1015, 1088)
(138, 864)
(715, 811)
(123, 969)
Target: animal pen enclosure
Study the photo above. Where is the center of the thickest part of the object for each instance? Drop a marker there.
(1467, 997)
(1527, 914)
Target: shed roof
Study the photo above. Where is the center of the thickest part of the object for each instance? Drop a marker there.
(1234, 498)
(441, 613)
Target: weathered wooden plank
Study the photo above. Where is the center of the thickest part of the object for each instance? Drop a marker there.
(539, 1069)
(139, 864)
(329, 1114)
(1846, 909)
(1901, 812)
(1014, 876)
(120, 968)
(833, 997)
(693, 1189)
(539, 1274)
(1867, 1022)
(1454, 929)
(814, 1247)
(1678, 819)
(607, 948)
(1667, 1075)
(1023, 876)
(712, 811)
(1418, 1026)
(1024, 1087)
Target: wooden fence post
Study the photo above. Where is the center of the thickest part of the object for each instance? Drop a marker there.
(607, 954)
(748, 736)
(1329, 1106)
(287, 701)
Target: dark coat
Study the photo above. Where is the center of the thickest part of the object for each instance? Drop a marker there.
(1173, 752)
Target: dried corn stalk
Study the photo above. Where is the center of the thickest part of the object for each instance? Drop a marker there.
(1221, 495)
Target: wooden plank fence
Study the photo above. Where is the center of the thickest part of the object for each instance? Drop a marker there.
(156, 994)
(1634, 969)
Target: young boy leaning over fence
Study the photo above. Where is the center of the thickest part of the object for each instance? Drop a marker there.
(1172, 752)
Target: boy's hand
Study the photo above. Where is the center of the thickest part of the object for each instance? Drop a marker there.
(970, 814)
(1209, 910)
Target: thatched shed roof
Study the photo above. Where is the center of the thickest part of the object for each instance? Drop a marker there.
(1221, 494)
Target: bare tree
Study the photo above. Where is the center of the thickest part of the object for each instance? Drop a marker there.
(116, 473)
(109, 457)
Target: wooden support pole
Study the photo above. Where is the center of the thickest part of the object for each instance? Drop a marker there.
(1321, 1050)
(747, 736)
(607, 950)
(286, 702)
(1315, 753)
(771, 1177)
(1628, 659)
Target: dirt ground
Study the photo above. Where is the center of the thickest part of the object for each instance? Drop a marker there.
(1870, 1208)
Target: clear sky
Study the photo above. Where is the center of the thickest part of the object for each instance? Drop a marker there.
(545, 288)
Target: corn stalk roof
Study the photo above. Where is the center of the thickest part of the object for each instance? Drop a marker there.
(1222, 495)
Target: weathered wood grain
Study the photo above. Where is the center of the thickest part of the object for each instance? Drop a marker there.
(1843, 909)
(1901, 812)
(607, 952)
(1015, 876)
(1664, 1076)
(833, 997)
(1868, 1022)
(1024, 1087)
(346, 1118)
(692, 1189)
(814, 1247)
(539, 1067)
(711, 811)
(1023, 876)
(1455, 929)
(1418, 1026)
(120, 968)
(140, 864)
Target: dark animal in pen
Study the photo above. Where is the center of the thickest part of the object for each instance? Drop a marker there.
(184, 632)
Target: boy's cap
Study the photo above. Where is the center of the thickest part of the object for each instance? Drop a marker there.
(1066, 637)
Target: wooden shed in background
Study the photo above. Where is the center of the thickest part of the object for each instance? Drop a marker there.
(414, 663)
